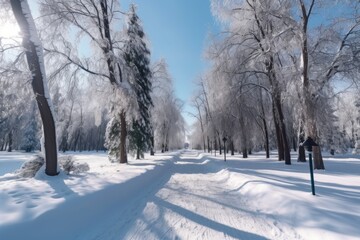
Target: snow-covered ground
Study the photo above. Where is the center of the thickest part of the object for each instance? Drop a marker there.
(183, 195)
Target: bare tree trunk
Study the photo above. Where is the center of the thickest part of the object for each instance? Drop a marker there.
(232, 147)
(301, 156)
(201, 124)
(220, 149)
(308, 99)
(312, 131)
(208, 144)
(319, 164)
(215, 145)
(32, 44)
(152, 153)
(266, 133)
(123, 135)
(280, 145)
(10, 140)
(137, 153)
(281, 119)
(301, 150)
(267, 146)
(245, 152)
(204, 143)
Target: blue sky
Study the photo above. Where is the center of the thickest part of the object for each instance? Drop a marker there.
(177, 31)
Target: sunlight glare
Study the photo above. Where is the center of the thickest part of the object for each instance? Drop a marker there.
(9, 30)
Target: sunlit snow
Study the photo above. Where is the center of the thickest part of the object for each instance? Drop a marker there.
(187, 195)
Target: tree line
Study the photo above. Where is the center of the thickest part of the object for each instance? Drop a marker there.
(80, 77)
(281, 71)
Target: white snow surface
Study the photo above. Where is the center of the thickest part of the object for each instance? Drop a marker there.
(182, 195)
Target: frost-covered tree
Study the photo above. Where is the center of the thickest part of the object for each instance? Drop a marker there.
(332, 54)
(95, 23)
(35, 60)
(137, 58)
(357, 131)
(167, 121)
(256, 41)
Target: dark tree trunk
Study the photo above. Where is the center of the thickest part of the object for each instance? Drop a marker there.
(123, 135)
(201, 125)
(245, 152)
(232, 147)
(166, 141)
(280, 146)
(266, 133)
(204, 145)
(152, 153)
(301, 156)
(287, 155)
(215, 145)
(267, 147)
(108, 47)
(10, 141)
(137, 153)
(319, 164)
(31, 43)
(301, 150)
(220, 152)
(208, 144)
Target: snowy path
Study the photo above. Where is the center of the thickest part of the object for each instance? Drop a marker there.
(194, 201)
(182, 196)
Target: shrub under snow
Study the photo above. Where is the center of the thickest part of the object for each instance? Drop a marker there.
(31, 167)
(68, 165)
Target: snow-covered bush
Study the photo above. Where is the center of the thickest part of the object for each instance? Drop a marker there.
(31, 167)
(68, 165)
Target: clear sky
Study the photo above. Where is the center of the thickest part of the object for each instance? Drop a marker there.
(177, 31)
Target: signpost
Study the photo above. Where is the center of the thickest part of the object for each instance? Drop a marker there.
(308, 144)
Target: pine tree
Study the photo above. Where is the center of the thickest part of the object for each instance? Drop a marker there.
(137, 58)
(112, 139)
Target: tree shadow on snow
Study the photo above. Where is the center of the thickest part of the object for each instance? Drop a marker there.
(197, 218)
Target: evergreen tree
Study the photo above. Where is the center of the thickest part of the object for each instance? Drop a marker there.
(137, 59)
(112, 139)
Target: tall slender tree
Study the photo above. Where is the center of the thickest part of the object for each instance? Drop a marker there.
(137, 59)
(35, 60)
